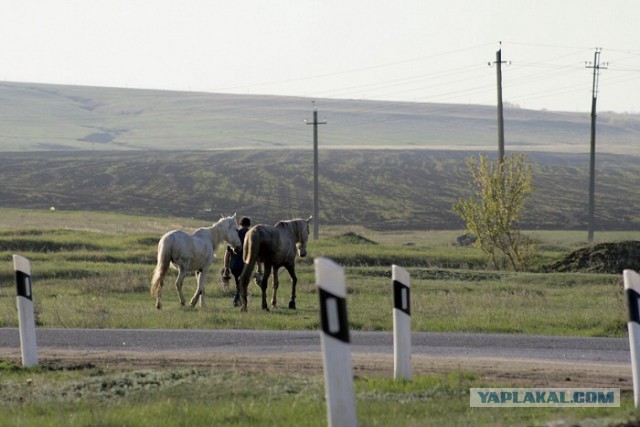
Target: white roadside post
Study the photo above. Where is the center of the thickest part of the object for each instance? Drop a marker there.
(632, 290)
(335, 341)
(401, 323)
(26, 318)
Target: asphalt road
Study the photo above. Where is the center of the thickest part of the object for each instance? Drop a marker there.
(511, 346)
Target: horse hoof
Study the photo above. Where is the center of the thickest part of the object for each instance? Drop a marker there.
(265, 308)
(292, 305)
(159, 306)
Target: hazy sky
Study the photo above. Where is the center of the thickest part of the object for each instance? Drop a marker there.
(407, 50)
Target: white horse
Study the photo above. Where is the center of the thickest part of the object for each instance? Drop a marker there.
(192, 252)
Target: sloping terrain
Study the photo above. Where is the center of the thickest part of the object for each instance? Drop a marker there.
(379, 189)
(54, 118)
(385, 165)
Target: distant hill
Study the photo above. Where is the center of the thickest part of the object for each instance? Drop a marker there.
(384, 165)
(38, 117)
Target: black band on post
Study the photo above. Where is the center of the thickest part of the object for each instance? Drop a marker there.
(23, 283)
(333, 315)
(633, 298)
(398, 302)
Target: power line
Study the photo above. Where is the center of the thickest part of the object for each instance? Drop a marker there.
(355, 70)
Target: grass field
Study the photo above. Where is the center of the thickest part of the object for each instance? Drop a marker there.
(376, 189)
(90, 275)
(92, 270)
(95, 396)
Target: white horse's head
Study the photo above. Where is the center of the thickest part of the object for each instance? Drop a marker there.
(229, 231)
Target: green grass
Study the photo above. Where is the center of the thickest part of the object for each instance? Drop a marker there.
(99, 396)
(87, 277)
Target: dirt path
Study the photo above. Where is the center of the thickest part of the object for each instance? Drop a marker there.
(510, 372)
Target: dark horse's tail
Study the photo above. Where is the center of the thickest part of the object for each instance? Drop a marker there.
(250, 250)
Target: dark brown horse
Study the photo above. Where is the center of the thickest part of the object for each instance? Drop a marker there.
(275, 246)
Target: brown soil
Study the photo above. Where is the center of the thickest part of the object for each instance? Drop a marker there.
(507, 372)
(611, 258)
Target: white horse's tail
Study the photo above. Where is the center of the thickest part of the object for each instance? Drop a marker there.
(164, 260)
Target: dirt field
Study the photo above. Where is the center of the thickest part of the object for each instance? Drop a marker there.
(508, 372)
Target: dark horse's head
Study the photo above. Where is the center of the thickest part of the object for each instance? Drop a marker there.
(302, 235)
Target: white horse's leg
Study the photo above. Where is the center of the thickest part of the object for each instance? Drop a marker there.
(159, 298)
(182, 273)
(201, 277)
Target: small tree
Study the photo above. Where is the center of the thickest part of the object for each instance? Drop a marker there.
(493, 212)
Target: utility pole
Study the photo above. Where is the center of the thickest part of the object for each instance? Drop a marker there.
(499, 63)
(315, 124)
(592, 160)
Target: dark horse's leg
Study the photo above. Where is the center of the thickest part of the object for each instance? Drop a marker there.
(294, 280)
(276, 284)
(264, 283)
